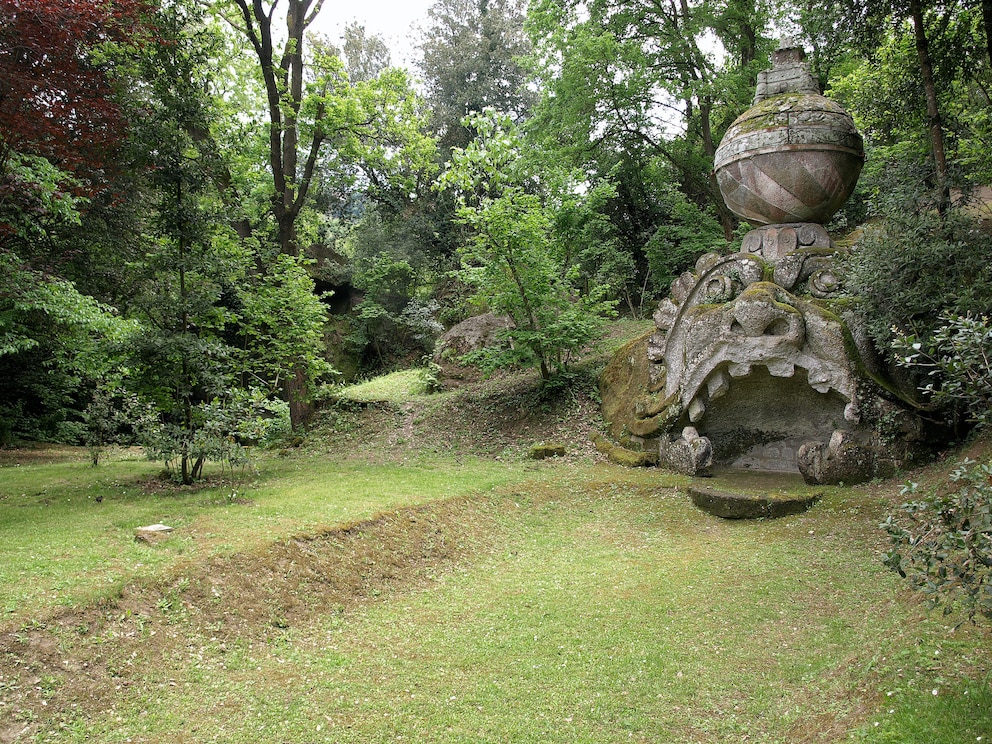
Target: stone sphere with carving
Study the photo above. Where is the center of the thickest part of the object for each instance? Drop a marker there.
(793, 157)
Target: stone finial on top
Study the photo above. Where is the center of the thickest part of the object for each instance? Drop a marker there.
(790, 74)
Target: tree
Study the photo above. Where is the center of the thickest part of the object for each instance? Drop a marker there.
(213, 344)
(56, 95)
(471, 58)
(916, 78)
(283, 74)
(311, 104)
(519, 259)
(642, 80)
(52, 349)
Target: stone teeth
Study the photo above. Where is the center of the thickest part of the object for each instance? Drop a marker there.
(718, 385)
(739, 369)
(696, 410)
(820, 383)
(781, 368)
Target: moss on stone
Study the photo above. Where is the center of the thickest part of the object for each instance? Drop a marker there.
(629, 458)
(545, 450)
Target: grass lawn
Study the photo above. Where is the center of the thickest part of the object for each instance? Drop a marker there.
(551, 602)
(408, 575)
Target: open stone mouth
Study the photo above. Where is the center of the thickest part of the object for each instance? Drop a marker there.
(720, 379)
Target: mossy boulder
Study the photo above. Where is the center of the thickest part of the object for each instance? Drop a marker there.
(623, 386)
(544, 450)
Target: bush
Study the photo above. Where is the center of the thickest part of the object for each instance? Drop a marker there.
(912, 266)
(957, 360)
(943, 543)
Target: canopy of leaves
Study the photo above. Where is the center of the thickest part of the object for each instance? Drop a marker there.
(519, 257)
(471, 59)
(56, 99)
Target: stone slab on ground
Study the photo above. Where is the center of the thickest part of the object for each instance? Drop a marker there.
(750, 506)
(152, 534)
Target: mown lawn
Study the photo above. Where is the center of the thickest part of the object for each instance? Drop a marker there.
(560, 602)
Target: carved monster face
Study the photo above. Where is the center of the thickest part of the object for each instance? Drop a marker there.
(747, 362)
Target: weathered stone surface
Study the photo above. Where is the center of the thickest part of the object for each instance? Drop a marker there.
(745, 381)
(689, 454)
(755, 363)
(794, 156)
(624, 390)
(480, 332)
(545, 450)
(845, 458)
(749, 506)
(775, 242)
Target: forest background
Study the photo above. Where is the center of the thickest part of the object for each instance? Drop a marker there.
(210, 216)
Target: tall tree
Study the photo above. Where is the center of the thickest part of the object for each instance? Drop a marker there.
(640, 92)
(312, 105)
(471, 58)
(918, 80)
(283, 72)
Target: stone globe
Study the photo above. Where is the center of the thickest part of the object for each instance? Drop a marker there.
(794, 156)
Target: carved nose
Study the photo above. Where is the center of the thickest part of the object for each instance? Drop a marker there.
(759, 316)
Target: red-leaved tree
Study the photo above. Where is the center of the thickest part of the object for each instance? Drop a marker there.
(56, 94)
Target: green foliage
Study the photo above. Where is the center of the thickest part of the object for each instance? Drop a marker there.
(876, 75)
(114, 416)
(276, 343)
(633, 91)
(957, 361)
(943, 543)
(391, 323)
(688, 233)
(53, 343)
(34, 196)
(471, 56)
(913, 265)
(520, 258)
(214, 431)
(216, 340)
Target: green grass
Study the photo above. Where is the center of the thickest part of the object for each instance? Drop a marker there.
(595, 605)
(60, 546)
(395, 388)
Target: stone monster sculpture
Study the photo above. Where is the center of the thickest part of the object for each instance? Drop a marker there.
(753, 364)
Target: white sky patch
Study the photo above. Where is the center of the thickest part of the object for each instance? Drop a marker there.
(397, 21)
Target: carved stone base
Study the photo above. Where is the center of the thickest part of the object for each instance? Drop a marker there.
(749, 506)
(773, 242)
(690, 454)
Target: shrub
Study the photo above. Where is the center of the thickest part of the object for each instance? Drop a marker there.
(943, 543)
(912, 266)
(957, 360)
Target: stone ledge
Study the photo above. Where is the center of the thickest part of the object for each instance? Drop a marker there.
(750, 506)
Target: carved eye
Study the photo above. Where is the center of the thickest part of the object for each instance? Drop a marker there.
(778, 327)
(823, 283)
(719, 289)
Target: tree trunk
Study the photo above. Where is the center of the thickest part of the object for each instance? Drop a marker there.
(284, 90)
(297, 395)
(933, 109)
